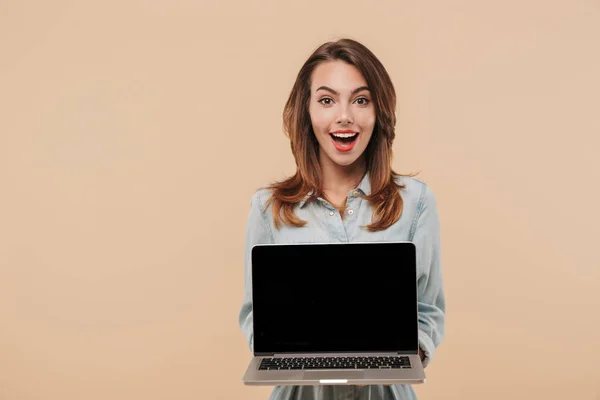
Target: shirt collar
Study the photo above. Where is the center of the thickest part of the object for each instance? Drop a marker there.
(364, 188)
(365, 185)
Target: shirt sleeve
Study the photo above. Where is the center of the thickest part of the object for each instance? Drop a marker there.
(431, 299)
(257, 232)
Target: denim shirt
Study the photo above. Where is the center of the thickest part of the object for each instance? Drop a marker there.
(419, 223)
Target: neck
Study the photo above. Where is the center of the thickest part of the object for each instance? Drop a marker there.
(341, 179)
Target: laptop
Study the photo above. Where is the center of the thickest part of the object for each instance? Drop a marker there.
(335, 314)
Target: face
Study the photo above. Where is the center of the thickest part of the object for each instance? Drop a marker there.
(341, 112)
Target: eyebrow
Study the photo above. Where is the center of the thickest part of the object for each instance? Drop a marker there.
(358, 89)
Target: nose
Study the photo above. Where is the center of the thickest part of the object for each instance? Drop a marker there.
(345, 116)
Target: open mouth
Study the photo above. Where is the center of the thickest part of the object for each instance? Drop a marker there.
(344, 141)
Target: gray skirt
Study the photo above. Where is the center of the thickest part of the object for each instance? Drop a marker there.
(342, 392)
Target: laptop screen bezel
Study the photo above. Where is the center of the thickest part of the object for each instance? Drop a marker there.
(406, 246)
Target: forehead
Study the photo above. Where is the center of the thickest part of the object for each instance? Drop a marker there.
(338, 75)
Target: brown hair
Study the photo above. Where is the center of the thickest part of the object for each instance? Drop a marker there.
(307, 181)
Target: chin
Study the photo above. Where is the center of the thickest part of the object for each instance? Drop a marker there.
(344, 161)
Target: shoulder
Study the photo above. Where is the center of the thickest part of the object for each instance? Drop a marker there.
(417, 197)
(260, 198)
(414, 189)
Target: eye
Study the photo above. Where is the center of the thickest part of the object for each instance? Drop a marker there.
(323, 99)
(366, 101)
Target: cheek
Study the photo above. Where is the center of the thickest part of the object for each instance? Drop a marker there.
(369, 120)
(366, 117)
(319, 119)
(367, 123)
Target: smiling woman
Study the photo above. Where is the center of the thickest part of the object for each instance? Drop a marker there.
(340, 118)
(349, 106)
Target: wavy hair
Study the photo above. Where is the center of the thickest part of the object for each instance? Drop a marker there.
(306, 183)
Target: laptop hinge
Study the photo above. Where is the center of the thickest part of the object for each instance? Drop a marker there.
(263, 354)
(269, 354)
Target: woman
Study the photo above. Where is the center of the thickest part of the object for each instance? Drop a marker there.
(340, 119)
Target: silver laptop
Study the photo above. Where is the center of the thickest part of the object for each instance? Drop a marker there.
(335, 314)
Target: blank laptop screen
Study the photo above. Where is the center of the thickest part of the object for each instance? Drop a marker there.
(335, 298)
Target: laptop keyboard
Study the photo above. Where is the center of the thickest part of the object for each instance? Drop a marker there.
(312, 363)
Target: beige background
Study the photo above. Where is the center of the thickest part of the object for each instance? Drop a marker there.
(133, 133)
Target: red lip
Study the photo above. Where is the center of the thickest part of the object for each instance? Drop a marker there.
(344, 148)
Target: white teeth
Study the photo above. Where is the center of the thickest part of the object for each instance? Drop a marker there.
(344, 135)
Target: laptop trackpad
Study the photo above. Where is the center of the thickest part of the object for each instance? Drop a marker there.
(318, 375)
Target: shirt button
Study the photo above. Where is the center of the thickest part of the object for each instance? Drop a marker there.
(350, 212)
(331, 213)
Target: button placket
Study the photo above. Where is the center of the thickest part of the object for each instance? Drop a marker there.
(350, 214)
(338, 230)
(352, 203)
